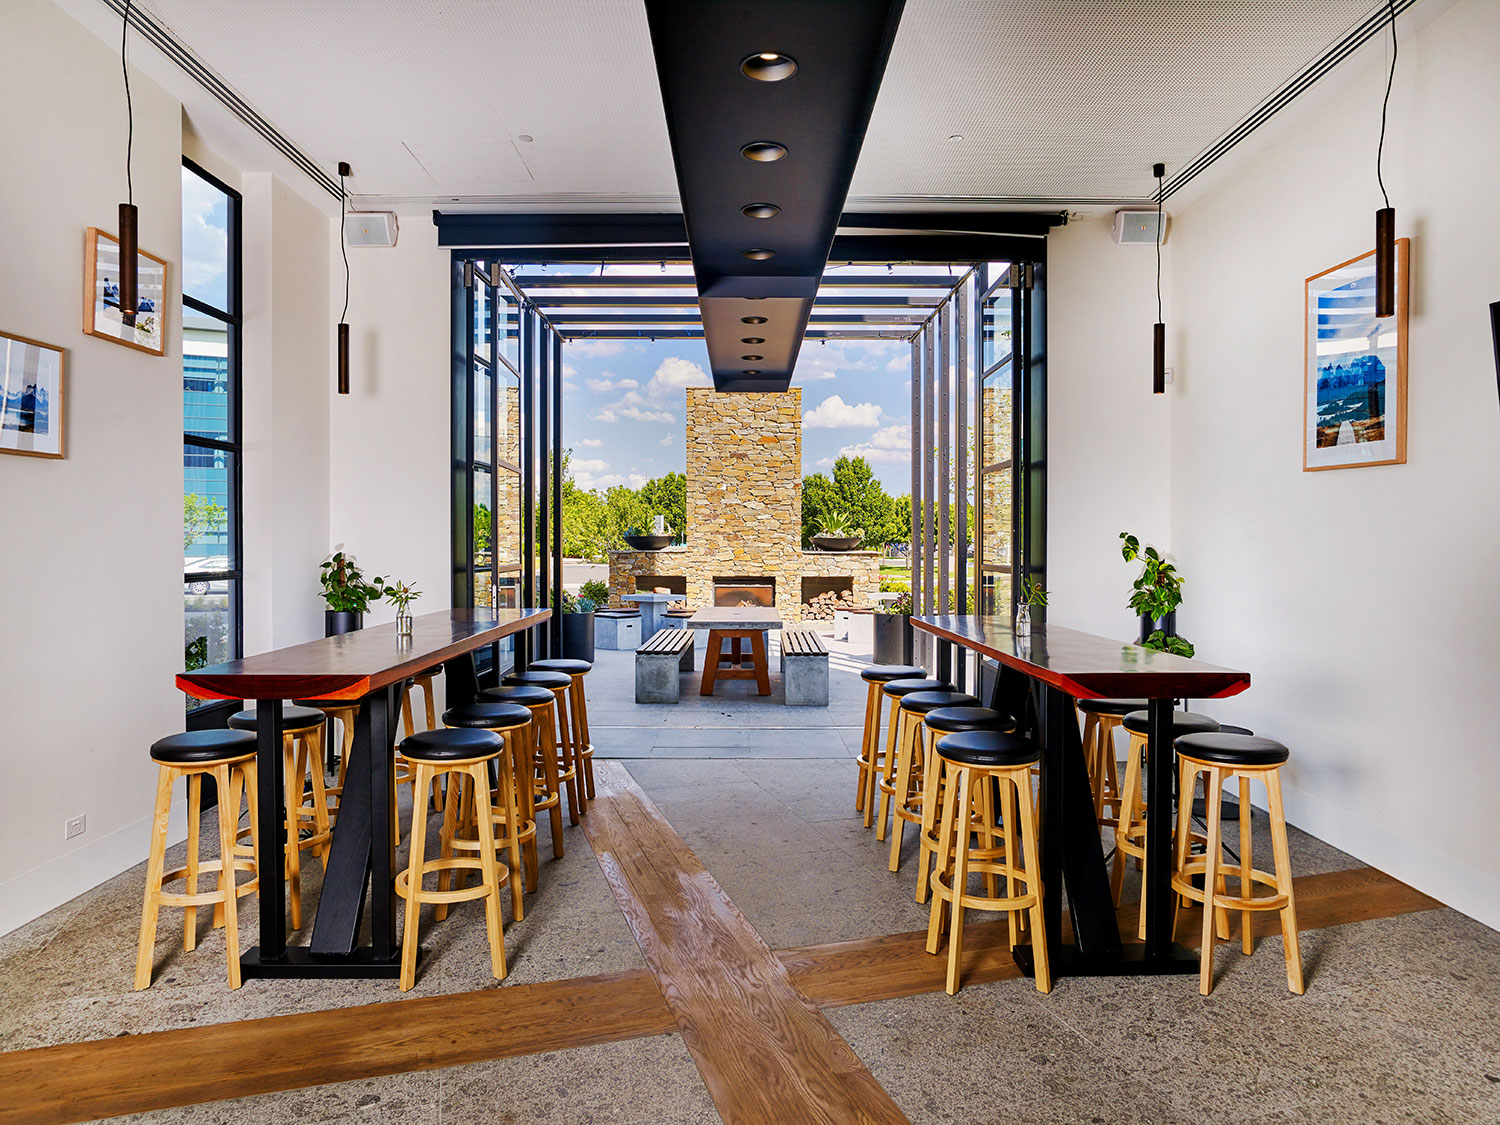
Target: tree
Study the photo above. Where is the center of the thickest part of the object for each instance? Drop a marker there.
(201, 516)
(855, 492)
(667, 496)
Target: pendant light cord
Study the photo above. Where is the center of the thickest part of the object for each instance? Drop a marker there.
(129, 109)
(1390, 80)
(1158, 248)
(343, 248)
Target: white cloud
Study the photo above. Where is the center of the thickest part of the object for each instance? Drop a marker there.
(675, 374)
(899, 363)
(827, 361)
(891, 444)
(638, 479)
(600, 386)
(599, 348)
(592, 443)
(588, 466)
(833, 412)
(668, 440)
(205, 235)
(588, 481)
(627, 384)
(639, 415)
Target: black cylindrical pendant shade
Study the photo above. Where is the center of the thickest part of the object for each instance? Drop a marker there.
(1158, 359)
(1385, 262)
(129, 243)
(343, 358)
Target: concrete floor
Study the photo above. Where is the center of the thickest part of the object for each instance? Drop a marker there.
(1399, 1022)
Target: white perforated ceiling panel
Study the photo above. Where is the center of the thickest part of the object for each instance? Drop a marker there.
(1055, 100)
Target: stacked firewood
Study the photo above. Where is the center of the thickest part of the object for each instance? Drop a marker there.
(821, 606)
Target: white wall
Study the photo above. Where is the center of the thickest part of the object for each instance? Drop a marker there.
(91, 630)
(1108, 436)
(1363, 601)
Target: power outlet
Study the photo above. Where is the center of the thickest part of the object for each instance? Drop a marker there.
(75, 827)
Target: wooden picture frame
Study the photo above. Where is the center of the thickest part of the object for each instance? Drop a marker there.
(32, 399)
(1353, 415)
(101, 316)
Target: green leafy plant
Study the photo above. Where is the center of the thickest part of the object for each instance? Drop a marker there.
(201, 516)
(838, 525)
(595, 590)
(401, 595)
(902, 604)
(894, 585)
(1156, 592)
(1032, 593)
(344, 586)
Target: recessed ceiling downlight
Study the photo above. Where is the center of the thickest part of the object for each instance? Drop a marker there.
(758, 254)
(760, 210)
(763, 152)
(750, 371)
(752, 320)
(752, 339)
(752, 358)
(769, 66)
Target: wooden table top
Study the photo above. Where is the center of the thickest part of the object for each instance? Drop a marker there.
(735, 617)
(1087, 666)
(352, 665)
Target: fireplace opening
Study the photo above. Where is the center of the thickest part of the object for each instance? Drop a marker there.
(651, 583)
(821, 596)
(745, 591)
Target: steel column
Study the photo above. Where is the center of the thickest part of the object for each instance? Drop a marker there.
(961, 484)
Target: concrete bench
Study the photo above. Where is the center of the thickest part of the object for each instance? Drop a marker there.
(657, 663)
(804, 668)
(617, 628)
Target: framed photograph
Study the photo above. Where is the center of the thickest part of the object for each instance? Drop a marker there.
(31, 397)
(101, 297)
(1354, 371)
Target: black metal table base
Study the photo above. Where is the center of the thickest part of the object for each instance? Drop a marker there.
(298, 961)
(1131, 961)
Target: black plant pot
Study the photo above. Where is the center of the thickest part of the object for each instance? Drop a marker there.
(337, 621)
(1149, 624)
(578, 636)
(648, 542)
(892, 638)
(836, 542)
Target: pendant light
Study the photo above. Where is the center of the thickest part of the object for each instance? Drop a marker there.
(344, 171)
(129, 229)
(1385, 218)
(1159, 329)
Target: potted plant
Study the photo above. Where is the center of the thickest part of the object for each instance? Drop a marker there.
(637, 541)
(578, 619)
(1032, 597)
(893, 631)
(837, 533)
(402, 594)
(1156, 594)
(347, 594)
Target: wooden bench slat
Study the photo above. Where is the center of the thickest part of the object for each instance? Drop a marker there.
(668, 642)
(802, 642)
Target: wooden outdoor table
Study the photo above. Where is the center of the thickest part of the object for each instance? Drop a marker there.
(1064, 665)
(368, 666)
(736, 623)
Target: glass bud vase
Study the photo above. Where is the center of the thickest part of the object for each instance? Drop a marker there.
(403, 624)
(1023, 621)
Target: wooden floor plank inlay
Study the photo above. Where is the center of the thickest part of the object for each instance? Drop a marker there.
(766, 1053)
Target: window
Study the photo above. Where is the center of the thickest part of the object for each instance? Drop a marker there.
(210, 421)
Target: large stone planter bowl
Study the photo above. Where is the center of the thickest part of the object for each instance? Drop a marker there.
(648, 542)
(836, 542)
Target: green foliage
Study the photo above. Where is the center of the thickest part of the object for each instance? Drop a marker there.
(595, 590)
(838, 525)
(854, 494)
(401, 594)
(195, 653)
(667, 496)
(483, 522)
(889, 585)
(1032, 592)
(1158, 641)
(344, 586)
(1157, 591)
(201, 516)
(903, 604)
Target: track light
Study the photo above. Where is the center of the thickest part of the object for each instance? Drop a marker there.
(1159, 329)
(343, 334)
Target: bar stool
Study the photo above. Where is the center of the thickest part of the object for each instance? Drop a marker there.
(421, 680)
(911, 758)
(870, 753)
(558, 684)
(229, 756)
(345, 712)
(1100, 719)
(509, 812)
(941, 721)
(433, 753)
(1130, 834)
(301, 744)
(1220, 758)
(894, 691)
(583, 746)
(987, 757)
(545, 782)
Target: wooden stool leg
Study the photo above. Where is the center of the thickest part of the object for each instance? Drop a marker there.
(249, 774)
(1093, 762)
(960, 878)
(542, 738)
(406, 723)
(1247, 930)
(1039, 935)
(229, 807)
(1008, 836)
(489, 869)
(888, 774)
(566, 754)
(586, 738)
(1213, 794)
(1187, 789)
(431, 705)
(414, 885)
(228, 820)
(453, 815)
(1111, 786)
(1283, 860)
(293, 798)
(1130, 804)
(941, 911)
(155, 865)
(932, 780)
(507, 794)
(319, 789)
(866, 745)
(522, 765)
(903, 788)
(195, 822)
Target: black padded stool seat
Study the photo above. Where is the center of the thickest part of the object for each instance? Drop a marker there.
(921, 702)
(529, 696)
(1226, 728)
(1232, 749)
(1112, 706)
(565, 665)
(537, 679)
(988, 748)
(903, 688)
(292, 719)
(487, 716)
(885, 673)
(1183, 722)
(950, 720)
(450, 745)
(200, 747)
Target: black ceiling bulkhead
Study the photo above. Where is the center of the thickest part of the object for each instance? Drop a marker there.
(716, 113)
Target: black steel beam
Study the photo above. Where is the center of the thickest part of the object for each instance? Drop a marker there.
(626, 303)
(531, 282)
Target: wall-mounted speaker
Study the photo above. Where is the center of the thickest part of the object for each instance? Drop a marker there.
(370, 228)
(1134, 227)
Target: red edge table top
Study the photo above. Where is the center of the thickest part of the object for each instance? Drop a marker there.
(1087, 666)
(353, 665)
